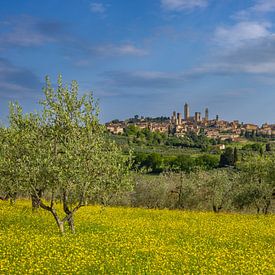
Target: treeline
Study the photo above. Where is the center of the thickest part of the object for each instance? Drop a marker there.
(248, 187)
(206, 182)
(146, 137)
(157, 163)
(257, 136)
(259, 147)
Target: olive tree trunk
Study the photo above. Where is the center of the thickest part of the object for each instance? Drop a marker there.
(36, 198)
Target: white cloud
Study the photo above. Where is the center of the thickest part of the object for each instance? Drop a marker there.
(124, 49)
(228, 68)
(264, 6)
(129, 49)
(143, 79)
(97, 8)
(180, 5)
(245, 47)
(259, 68)
(260, 8)
(241, 33)
(157, 80)
(248, 46)
(26, 31)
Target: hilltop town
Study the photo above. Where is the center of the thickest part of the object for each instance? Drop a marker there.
(179, 125)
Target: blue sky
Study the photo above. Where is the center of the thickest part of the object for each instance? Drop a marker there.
(145, 57)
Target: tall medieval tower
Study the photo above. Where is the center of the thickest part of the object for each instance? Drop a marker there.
(186, 112)
(206, 117)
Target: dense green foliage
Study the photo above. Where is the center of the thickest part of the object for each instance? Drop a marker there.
(257, 136)
(229, 157)
(61, 154)
(147, 137)
(156, 163)
(257, 147)
(249, 187)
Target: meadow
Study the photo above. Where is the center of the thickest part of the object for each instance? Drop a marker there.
(136, 241)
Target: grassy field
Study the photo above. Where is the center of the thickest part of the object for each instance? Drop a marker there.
(136, 241)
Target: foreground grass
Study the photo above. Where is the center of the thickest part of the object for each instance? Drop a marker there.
(120, 241)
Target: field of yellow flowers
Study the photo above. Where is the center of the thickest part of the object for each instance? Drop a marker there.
(136, 241)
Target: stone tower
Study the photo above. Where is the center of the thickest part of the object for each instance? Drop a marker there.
(186, 112)
(174, 118)
(206, 117)
(197, 116)
(179, 119)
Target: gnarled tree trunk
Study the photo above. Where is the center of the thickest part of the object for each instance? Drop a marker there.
(36, 197)
(59, 222)
(71, 223)
(69, 213)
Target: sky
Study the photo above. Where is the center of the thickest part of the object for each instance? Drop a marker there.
(143, 57)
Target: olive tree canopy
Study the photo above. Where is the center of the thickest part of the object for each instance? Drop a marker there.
(63, 153)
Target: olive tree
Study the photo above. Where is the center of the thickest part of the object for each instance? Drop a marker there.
(218, 186)
(150, 191)
(257, 184)
(13, 150)
(26, 155)
(183, 189)
(9, 161)
(67, 155)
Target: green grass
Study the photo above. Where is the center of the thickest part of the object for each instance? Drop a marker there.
(136, 241)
